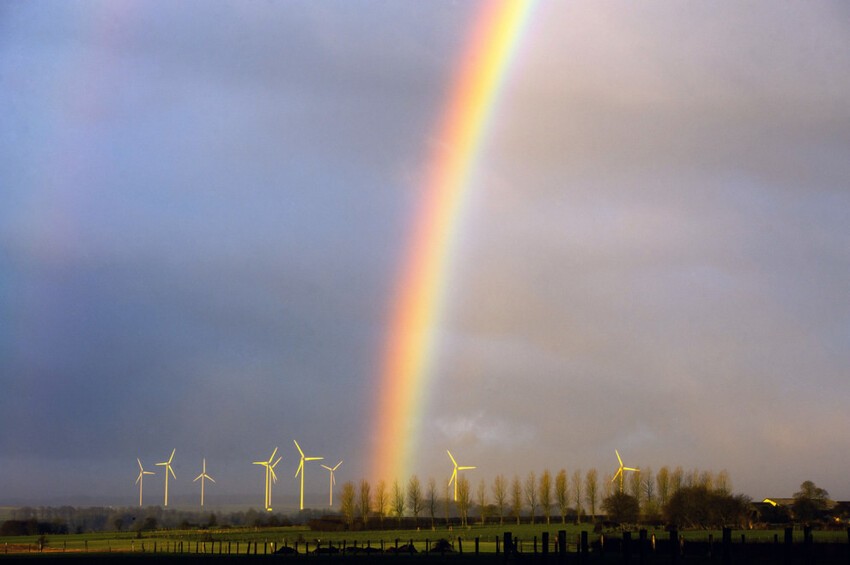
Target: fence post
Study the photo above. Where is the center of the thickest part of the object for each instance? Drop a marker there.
(459, 544)
(727, 545)
(508, 543)
(545, 542)
(476, 545)
(584, 548)
(627, 547)
(674, 546)
(642, 546)
(562, 542)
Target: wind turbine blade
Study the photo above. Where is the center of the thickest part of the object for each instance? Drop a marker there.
(172, 472)
(163, 463)
(299, 448)
(465, 468)
(333, 479)
(273, 474)
(273, 454)
(454, 476)
(260, 463)
(276, 462)
(337, 466)
(198, 477)
(618, 457)
(139, 478)
(140, 464)
(617, 474)
(172, 455)
(210, 478)
(630, 469)
(452, 458)
(313, 458)
(326, 467)
(147, 473)
(300, 468)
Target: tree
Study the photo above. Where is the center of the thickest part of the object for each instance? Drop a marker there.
(463, 498)
(591, 489)
(621, 508)
(809, 502)
(649, 497)
(662, 480)
(700, 507)
(677, 480)
(722, 482)
(577, 493)
(500, 495)
(431, 497)
(516, 498)
(381, 500)
(481, 499)
(634, 483)
(365, 502)
(414, 497)
(562, 494)
(347, 502)
(546, 495)
(531, 493)
(398, 500)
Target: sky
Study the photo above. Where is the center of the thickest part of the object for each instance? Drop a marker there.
(205, 208)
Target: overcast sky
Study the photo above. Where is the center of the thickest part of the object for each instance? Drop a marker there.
(204, 206)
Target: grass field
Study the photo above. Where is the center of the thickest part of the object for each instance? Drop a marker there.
(266, 539)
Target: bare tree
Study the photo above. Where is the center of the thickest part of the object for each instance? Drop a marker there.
(607, 486)
(516, 498)
(414, 497)
(382, 500)
(398, 500)
(347, 502)
(447, 501)
(591, 491)
(706, 479)
(648, 483)
(463, 499)
(634, 487)
(531, 493)
(562, 493)
(677, 480)
(722, 482)
(365, 502)
(500, 495)
(662, 480)
(431, 496)
(546, 495)
(481, 499)
(577, 482)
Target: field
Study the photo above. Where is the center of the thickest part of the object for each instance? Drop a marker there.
(266, 540)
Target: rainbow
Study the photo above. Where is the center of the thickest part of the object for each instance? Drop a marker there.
(420, 288)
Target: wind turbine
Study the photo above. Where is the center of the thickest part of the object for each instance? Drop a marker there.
(140, 480)
(301, 469)
(270, 474)
(454, 473)
(167, 465)
(202, 477)
(620, 472)
(332, 482)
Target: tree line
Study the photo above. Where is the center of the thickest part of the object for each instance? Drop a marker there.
(687, 499)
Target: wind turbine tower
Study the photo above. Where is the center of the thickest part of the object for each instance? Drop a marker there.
(168, 469)
(202, 477)
(454, 472)
(140, 480)
(270, 476)
(301, 469)
(332, 482)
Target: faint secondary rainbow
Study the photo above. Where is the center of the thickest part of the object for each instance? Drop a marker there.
(420, 289)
